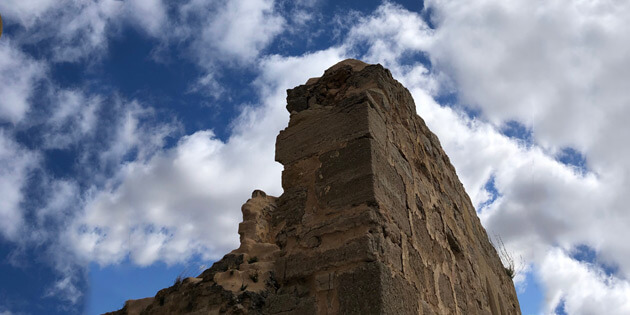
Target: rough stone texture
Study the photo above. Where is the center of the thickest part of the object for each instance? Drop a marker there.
(373, 219)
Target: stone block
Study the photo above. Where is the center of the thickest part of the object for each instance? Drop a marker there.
(302, 264)
(371, 288)
(345, 178)
(291, 206)
(319, 130)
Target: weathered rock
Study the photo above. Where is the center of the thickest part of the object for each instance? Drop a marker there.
(373, 219)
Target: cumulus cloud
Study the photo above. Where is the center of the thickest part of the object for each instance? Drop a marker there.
(127, 131)
(241, 29)
(73, 118)
(209, 32)
(552, 66)
(133, 129)
(101, 133)
(186, 201)
(222, 34)
(583, 288)
(18, 76)
(65, 288)
(390, 34)
(15, 165)
(149, 15)
(165, 208)
(25, 12)
(213, 34)
(77, 30)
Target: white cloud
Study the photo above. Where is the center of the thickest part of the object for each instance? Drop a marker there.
(106, 142)
(78, 30)
(209, 32)
(149, 15)
(133, 130)
(186, 201)
(25, 12)
(82, 29)
(553, 66)
(15, 165)
(74, 117)
(584, 289)
(208, 85)
(234, 30)
(18, 76)
(390, 33)
(65, 288)
(63, 197)
(104, 133)
(219, 35)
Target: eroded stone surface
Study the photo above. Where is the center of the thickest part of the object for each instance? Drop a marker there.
(373, 219)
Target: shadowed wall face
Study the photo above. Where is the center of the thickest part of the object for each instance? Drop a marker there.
(378, 221)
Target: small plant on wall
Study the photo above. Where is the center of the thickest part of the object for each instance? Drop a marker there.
(511, 266)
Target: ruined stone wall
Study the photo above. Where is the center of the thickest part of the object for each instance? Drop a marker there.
(376, 219)
(373, 219)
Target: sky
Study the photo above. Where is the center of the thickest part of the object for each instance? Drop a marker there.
(131, 132)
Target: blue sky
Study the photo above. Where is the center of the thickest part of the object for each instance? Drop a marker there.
(131, 133)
